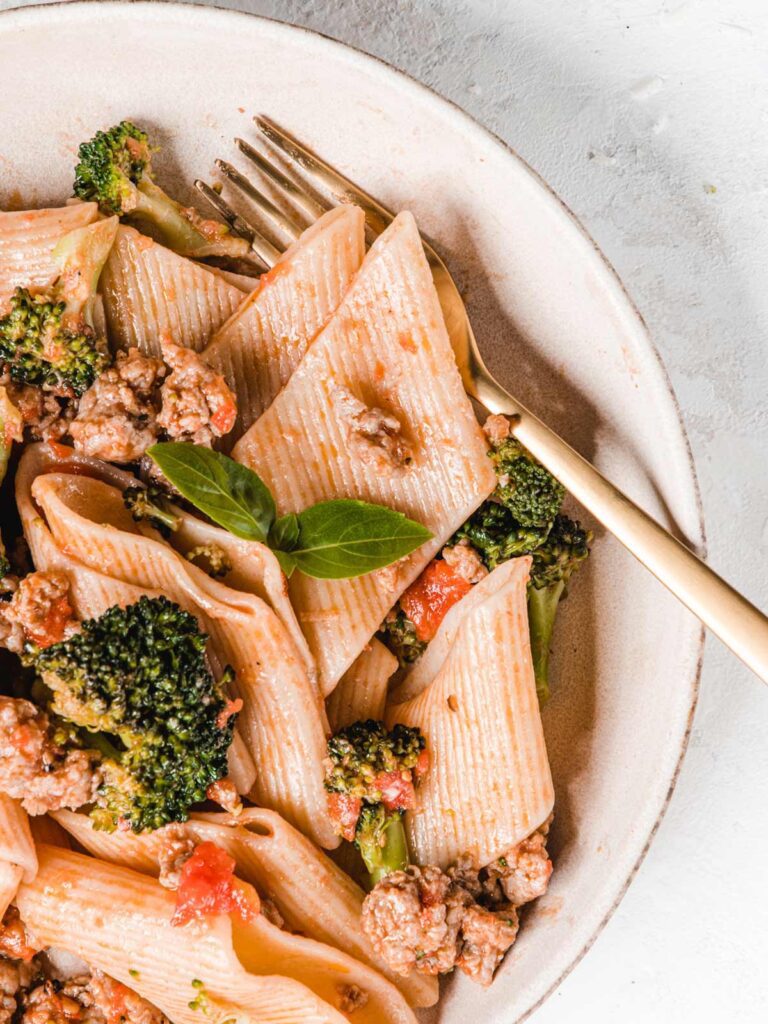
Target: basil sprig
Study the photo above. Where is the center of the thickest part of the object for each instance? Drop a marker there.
(335, 539)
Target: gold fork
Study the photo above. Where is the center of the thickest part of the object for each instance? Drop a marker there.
(739, 624)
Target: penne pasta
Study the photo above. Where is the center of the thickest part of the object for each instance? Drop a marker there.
(16, 844)
(10, 878)
(255, 570)
(151, 293)
(489, 785)
(313, 895)
(120, 921)
(362, 691)
(283, 720)
(385, 352)
(27, 238)
(261, 345)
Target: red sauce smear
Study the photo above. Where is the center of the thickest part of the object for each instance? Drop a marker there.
(208, 887)
(344, 810)
(431, 596)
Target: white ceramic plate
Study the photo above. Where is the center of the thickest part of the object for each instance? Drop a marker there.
(554, 319)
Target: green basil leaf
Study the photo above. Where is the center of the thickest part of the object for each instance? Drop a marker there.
(228, 493)
(344, 538)
(286, 560)
(284, 535)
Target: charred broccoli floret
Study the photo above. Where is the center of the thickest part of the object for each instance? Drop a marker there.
(566, 547)
(136, 685)
(495, 533)
(150, 504)
(210, 557)
(398, 633)
(528, 490)
(48, 340)
(370, 777)
(115, 170)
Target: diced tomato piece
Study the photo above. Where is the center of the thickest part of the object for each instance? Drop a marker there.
(232, 707)
(396, 788)
(223, 419)
(422, 765)
(344, 810)
(51, 630)
(118, 1011)
(208, 887)
(428, 599)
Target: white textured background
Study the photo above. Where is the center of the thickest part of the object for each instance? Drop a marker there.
(650, 118)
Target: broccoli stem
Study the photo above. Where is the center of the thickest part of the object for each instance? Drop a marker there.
(542, 610)
(385, 850)
(158, 208)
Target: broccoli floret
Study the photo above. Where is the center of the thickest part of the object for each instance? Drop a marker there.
(48, 340)
(372, 770)
(362, 753)
(398, 633)
(115, 170)
(136, 684)
(40, 348)
(566, 547)
(497, 536)
(110, 165)
(528, 490)
(212, 559)
(150, 503)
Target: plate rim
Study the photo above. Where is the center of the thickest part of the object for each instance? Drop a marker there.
(345, 50)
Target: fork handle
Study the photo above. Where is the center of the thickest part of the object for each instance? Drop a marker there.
(739, 624)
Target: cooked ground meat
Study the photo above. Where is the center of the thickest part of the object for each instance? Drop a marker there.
(45, 416)
(485, 938)
(14, 941)
(34, 769)
(176, 847)
(524, 871)
(224, 793)
(496, 428)
(351, 998)
(465, 561)
(9, 986)
(120, 1004)
(413, 918)
(117, 418)
(197, 404)
(432, 921)
(374, 435)
(39, 612)
(44, 1004)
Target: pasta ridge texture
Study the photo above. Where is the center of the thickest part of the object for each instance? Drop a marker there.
(120, 921)
(27, 239)
(489, 784)
(385, 350)
(261, 345)
(151, 293)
